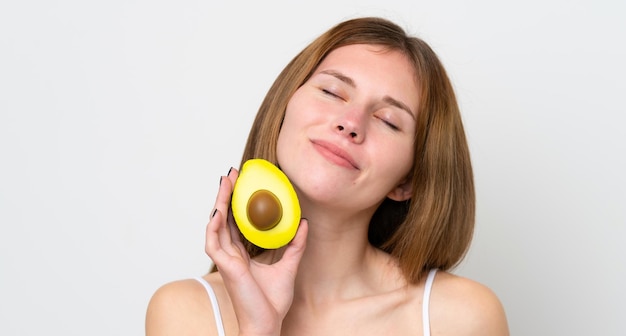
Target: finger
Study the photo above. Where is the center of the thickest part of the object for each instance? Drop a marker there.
(232, 175)
(224, 192)
(213, 245)
(225, 236)
(234, 230)
(219, 246)
(227, 233)
(295, 248)
(222, 205)
(236, 239)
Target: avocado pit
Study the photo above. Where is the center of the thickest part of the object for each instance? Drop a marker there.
(264, 210)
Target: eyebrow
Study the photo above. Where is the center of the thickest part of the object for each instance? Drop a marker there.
(387, 99)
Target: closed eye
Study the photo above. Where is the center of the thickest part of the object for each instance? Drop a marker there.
(392, 126)
(330, 93)
(388, 123)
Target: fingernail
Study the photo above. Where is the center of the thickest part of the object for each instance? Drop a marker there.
(214, 213)
(221, 179)
(230, 170)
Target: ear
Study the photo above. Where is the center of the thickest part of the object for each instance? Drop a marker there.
(402, 191)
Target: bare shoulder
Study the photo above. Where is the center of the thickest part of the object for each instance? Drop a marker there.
(182, 308)
(460, 306)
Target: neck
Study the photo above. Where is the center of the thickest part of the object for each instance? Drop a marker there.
(338, 263)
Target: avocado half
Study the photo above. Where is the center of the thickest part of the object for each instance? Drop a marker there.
(265, 205)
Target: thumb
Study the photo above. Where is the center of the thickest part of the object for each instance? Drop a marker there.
(295, 248)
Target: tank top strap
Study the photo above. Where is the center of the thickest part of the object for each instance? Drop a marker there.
(428, 286)
(216, 308)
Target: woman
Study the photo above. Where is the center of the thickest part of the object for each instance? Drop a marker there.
(365, 124)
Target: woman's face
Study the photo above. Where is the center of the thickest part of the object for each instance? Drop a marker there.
(347, 137)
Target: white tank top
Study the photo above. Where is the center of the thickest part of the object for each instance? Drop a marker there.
(425, 304)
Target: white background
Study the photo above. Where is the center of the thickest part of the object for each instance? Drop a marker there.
(118, 117)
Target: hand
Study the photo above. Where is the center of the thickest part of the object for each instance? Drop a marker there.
(261, 294)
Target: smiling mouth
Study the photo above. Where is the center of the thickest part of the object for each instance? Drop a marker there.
(335, 154)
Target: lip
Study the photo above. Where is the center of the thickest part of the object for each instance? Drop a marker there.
(334, 154)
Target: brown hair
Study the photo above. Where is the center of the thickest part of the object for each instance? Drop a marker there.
(432, 229)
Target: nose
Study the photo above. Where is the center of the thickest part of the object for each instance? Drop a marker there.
(350, 125)
(352, 134)
(350, 129)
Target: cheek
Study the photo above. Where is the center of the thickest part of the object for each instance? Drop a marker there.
(286, 127)
(291, 113)
(287, 137)
(304, 108)
(399, 160)
(300, 115)
(408, 158)
(280, 146)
